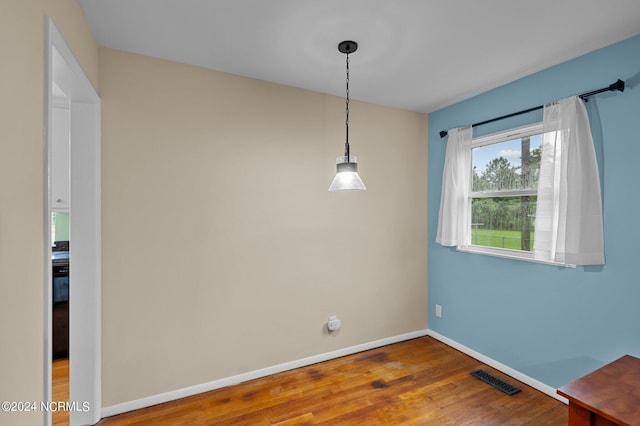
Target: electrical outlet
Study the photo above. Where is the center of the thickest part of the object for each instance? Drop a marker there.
(333, 324)
(439, 311)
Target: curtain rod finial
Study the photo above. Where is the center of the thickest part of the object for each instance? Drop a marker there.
(618, 85)
(443, 133)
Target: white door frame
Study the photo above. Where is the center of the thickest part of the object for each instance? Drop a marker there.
(63, 70)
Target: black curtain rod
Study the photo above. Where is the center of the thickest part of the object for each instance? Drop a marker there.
(618, 85)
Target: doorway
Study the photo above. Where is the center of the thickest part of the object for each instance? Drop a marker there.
(66, 80)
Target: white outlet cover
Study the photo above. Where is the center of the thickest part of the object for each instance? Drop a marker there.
(333, 324)
(439, 311)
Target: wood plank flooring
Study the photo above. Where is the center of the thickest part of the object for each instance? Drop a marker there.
(60, 390)
(417, 382)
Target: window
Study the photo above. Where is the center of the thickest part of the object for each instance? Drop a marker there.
(531, 193)
(505, 168)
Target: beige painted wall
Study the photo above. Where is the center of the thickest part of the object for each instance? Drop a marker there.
(264, 253)
(223, 251)
(22, 148)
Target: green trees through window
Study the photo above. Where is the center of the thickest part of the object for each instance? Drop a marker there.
(504, 192)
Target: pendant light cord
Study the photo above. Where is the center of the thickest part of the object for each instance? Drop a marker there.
(346, 145)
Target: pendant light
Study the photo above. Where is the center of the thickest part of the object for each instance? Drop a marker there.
(347, 178)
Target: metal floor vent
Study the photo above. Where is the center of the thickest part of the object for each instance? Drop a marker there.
(495, 382)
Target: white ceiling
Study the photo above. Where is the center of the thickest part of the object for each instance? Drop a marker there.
(419, 55)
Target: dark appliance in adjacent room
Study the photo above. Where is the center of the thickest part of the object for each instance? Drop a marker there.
(60, 309)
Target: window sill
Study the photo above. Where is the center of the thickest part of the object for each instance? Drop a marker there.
(509, 254)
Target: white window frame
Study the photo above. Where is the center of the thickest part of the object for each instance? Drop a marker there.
(494, 138)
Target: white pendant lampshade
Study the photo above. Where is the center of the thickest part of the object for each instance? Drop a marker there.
(347, 178)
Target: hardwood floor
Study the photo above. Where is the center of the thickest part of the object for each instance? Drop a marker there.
(60, 390)
(417, 382)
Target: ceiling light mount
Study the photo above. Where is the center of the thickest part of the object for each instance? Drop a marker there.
(347, 178)
(347, 46)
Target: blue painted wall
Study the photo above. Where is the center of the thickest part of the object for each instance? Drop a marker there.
(553, 324)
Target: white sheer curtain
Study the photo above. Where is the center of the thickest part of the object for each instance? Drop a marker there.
(569, 209)
(453, 220)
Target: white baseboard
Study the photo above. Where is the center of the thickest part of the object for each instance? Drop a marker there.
(279, 368)
(546, 389)
(124, 407)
